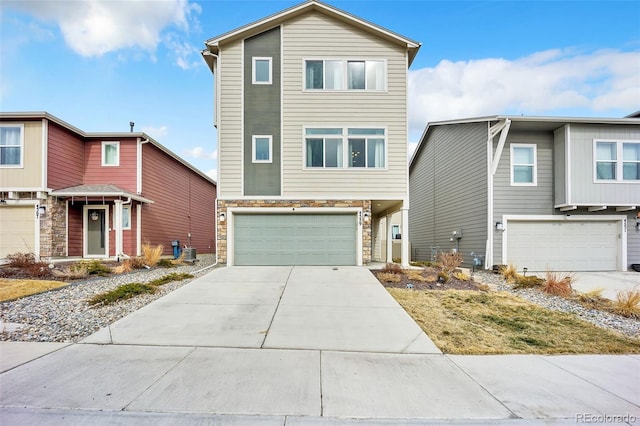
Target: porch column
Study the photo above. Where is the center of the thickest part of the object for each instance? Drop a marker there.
(404, 242)
(117, 226)
(388, 230)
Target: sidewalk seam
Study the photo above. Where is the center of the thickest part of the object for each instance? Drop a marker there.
(286, 281)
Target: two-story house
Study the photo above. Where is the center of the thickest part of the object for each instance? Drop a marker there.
(311, 115)
(541, 193)
(68, 193)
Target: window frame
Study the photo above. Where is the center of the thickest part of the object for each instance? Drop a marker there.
(126, 214)
(534, 166)
(254, 139)
(345, 136)
(254, 59)
(345, 74)
(21, 146)
(104, 151)
(619, 161)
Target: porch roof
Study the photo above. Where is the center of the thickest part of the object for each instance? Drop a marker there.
(100, 191)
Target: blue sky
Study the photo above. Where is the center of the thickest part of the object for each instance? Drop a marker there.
(99, 64)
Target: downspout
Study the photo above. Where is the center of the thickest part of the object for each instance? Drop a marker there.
(119, 230)
(139, 192)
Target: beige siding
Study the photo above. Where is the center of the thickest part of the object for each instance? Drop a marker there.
(28, 177)
(230, 129)
(314, 35)
(583, 188)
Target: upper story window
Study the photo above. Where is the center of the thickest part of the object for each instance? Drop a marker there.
(617, 161)
(523, 165)
(262, 149)
(261, 71)
(340, 74)
(345, 148)
(110, 153)
(11, 142)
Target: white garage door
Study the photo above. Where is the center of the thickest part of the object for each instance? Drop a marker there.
(295, 239)
(17, 230)
(563, 245)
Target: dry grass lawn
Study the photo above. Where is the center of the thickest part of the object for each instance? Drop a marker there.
(472, 322)
(14, 289)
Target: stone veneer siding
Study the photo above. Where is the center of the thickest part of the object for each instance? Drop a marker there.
(53, 229)
(365, 205)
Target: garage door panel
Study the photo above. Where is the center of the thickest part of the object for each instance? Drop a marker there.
(17, 230)
(563, 245)
(295, 239)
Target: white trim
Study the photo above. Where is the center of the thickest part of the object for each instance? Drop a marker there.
(622, 247)
(139, 229)
(231, 211)
(117, 226)
(22, 147)
(45, 152)
(254, 59)
(242, 128)
(102, 151)
(139, 166)
(534, 147)
(619, 161)
(281, 142)
(308, 197)
(66, 228)
(488, 255)
(345, 75)
(253, 148)
(85, 219)
(567, 160)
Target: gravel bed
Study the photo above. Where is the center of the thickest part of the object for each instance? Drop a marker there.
(63, 315)
(627, 326)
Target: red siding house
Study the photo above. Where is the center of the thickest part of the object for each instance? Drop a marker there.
(69, 193)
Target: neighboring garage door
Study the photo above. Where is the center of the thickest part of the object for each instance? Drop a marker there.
(563, 245)
(17, 230)
(294, 239)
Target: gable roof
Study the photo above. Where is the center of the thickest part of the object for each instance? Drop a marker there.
(34, 115)
(522, 122)
(276, 19)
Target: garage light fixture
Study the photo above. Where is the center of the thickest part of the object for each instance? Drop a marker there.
(41, 211)
(499, 226)
(222, 217)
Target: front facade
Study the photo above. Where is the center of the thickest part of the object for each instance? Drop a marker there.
(541, 193)
(311, 112)
(67, 193)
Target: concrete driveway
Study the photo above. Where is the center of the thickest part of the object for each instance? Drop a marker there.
(611, 282)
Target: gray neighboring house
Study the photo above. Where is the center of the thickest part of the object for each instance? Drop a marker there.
(541, 193)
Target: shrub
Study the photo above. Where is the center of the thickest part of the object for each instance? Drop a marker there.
(627, 303)
(389, 277)
(443, 276)
(593, 299)
(71, 272)
(449, 261)
(522, 281)
(392, 268)
(170, 278)
(509, 273)
(95, 267)
(166, 263)
(21, 260)
(461, 276)
(151, 255)
(425, 263)
(126, 291)
(557, 284)
(414, 275)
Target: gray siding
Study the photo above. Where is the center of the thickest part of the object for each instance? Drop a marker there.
(583, 188)
(262, 109)
(448, 191)
(559, 165)
(633, 239)
(523, 200)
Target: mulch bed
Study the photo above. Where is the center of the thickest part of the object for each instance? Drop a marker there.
(432, 283)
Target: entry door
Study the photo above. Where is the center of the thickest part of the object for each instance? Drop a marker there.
(96, 235)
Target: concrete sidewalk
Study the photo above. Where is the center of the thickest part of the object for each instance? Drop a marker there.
(297, 345)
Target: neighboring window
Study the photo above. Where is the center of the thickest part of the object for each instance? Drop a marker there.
(261, 71)
(11, 145)
(617, 161)
(523, 164)
(261, 149)
(336, 74)
(339, 148)
(395, 232)
(126, 217)
(110, 153)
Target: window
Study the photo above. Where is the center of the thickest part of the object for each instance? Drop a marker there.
(110, 153)
(395, 232)
(617, 161)
(261, 71)
(523, 165)
(337, 74)
(11, 145)
(261, 149)
(339, 148)
(126, 217)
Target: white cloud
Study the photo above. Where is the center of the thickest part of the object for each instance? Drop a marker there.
(199, 152)
(212, 173)
(95, 27)
(156, 132)
(538, 84)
